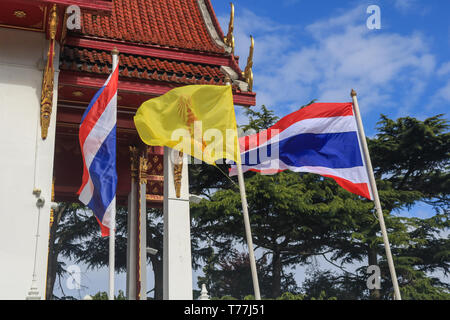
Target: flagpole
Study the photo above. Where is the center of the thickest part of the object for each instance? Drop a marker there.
(362, 138)
(248, 231)
(112, 230)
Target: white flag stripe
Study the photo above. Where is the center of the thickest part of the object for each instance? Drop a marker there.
(314, 125)
(94, 141)
(355, 174)
(110, 211)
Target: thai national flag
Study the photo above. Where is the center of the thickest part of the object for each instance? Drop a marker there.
(98, 144)
(321, 138)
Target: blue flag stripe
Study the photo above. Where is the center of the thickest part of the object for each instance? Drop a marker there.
(104, 176)
(332, 150)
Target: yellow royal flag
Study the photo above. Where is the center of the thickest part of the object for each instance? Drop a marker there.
(198, 120)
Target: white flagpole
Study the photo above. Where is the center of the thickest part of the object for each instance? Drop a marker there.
(373, 185)
(112, 230)
(248, 231)
(112, 240)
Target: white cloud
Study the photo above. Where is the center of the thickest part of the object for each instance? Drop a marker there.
(444, 69)
(443, 94)
(404, 4)
(290, 69)
(417, 7)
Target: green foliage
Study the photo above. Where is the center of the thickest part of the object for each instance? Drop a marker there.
(291, 296)
(259, 120)
(230, 275)
(425, 288)
(293, 217)
(102, 295)
(414, 155)
(297, 216)
(284, 296)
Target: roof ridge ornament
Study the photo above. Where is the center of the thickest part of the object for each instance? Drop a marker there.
(211, 27)
(229, 39)
(248, 74)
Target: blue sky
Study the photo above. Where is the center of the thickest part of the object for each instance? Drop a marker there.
(322, 49)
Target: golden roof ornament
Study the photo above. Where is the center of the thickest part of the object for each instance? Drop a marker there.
(53, 24)
(47, 81)
(229, 39)
(248, 74)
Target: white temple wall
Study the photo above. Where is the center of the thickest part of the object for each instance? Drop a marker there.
(26, 162)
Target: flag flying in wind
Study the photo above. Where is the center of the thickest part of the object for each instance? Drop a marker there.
(321, 138)
(97, 138)
(200, 116)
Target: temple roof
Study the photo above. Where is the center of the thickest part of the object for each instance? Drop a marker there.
(177, 42)
(166, 23)
(140, 67)
(163, 44)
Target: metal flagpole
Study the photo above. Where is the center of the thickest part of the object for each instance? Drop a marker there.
(248, 231)
(112, 240)
(362, 138)
(112, 230)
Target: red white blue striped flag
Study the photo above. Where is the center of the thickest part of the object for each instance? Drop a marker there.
(97, 138)
(321, 138)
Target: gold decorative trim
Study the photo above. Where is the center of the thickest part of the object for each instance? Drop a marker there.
(154, 177)
(47, 95)
(47, 82)
(75, 126)
(53, 24)
(134, 162)
(143, 167)
(21, 28)
(86, 103)
(52, 212)
(154, 197)
(20, 14)
(248, 74)
(77, 94)
(177, 174)
(229, 39)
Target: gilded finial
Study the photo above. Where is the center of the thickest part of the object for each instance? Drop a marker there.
(248, 74)
(53, 24)
(115, 51)
(353, 93)
(229, 39)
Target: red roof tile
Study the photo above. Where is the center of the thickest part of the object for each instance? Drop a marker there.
(93, 61)
(171, 23)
